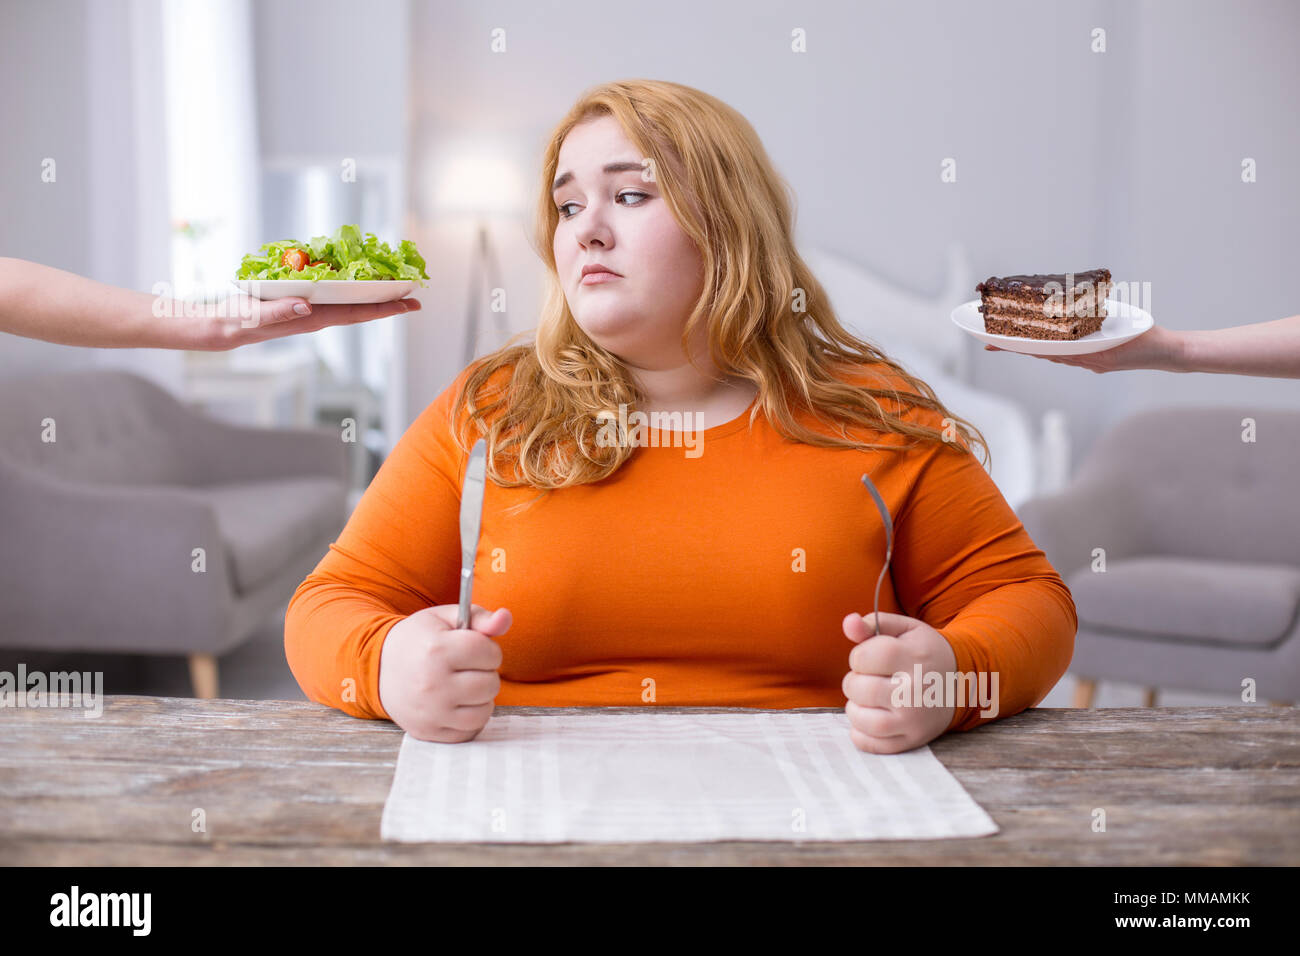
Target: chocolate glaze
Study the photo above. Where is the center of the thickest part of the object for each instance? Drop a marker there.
(1035, 284)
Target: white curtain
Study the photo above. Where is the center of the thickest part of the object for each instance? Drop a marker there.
(172, 136)
(211, 118)
(126, 218)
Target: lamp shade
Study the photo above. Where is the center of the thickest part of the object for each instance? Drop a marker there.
(477, 181)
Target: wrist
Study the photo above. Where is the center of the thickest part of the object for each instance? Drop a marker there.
(1185, 350)
(154, 322)
(179, 325)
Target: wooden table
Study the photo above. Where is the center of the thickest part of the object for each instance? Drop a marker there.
(290, 783)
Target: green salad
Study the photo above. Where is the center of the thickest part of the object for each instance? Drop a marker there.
(345, 255)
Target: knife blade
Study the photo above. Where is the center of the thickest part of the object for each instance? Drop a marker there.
(471, 522)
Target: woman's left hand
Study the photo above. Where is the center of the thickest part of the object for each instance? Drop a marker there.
(242, 320)
(876, 724)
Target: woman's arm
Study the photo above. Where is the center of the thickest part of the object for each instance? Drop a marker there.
(1269, 349)
(1265, 348)
(398, 554)
(965, 565)
(41, 302)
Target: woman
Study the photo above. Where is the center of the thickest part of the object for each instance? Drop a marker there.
(725, 565)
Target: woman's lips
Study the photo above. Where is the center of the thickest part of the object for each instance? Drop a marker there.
(595, 278)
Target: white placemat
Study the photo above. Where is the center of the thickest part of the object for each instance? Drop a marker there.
(638, 778)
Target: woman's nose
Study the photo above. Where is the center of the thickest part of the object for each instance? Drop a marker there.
(593, 229)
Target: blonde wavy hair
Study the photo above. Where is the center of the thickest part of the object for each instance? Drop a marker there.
(722, 189)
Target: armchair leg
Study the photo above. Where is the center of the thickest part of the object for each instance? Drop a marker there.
(203, 675)
(1084, 692)
(1148, 696)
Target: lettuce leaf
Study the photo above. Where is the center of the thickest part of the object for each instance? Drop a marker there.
(345, 255)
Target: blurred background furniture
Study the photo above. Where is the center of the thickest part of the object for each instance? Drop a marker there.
(1180, 541)
(134, 524)
(257, 378)
(292, 385)
(917, 331)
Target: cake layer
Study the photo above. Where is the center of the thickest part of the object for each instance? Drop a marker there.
(1056, 306)
(1042, 328)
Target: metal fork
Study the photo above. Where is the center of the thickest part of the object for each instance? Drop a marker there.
(889, 545)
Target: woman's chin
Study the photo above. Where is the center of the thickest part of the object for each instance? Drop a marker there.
(608, 327)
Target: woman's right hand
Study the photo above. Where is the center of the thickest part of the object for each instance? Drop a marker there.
(436, 682)
(1156, 348)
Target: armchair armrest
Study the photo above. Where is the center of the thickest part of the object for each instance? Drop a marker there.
(109, 567)
(1068, 525)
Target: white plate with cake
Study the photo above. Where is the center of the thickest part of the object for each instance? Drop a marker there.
(1051, 314)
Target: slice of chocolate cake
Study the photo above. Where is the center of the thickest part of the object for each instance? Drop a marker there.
(1058, 306)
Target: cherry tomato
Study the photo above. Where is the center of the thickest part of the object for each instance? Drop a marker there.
(295, 259)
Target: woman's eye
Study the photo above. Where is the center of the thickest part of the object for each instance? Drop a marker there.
(629, 192)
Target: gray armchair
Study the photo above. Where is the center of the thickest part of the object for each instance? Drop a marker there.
(101, 526)
(1199, 531)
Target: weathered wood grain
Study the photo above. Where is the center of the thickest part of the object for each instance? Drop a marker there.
(296, 783)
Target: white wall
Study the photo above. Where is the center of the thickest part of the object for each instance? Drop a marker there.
(1067, 159)
(331, 76)
(83, 88)
(1213, 83)
(43, 113)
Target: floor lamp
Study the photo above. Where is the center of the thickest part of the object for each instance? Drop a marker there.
(483, 265)
(479, 182)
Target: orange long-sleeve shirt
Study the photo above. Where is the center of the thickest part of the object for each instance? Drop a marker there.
(715, 577)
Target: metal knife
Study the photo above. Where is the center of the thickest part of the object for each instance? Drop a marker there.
(471, 522)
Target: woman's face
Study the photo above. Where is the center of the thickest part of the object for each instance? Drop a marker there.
(620, 220)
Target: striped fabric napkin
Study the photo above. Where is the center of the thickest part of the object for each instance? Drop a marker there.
(670, 777)
(667, 777)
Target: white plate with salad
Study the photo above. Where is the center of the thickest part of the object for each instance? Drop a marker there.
(346, 268)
